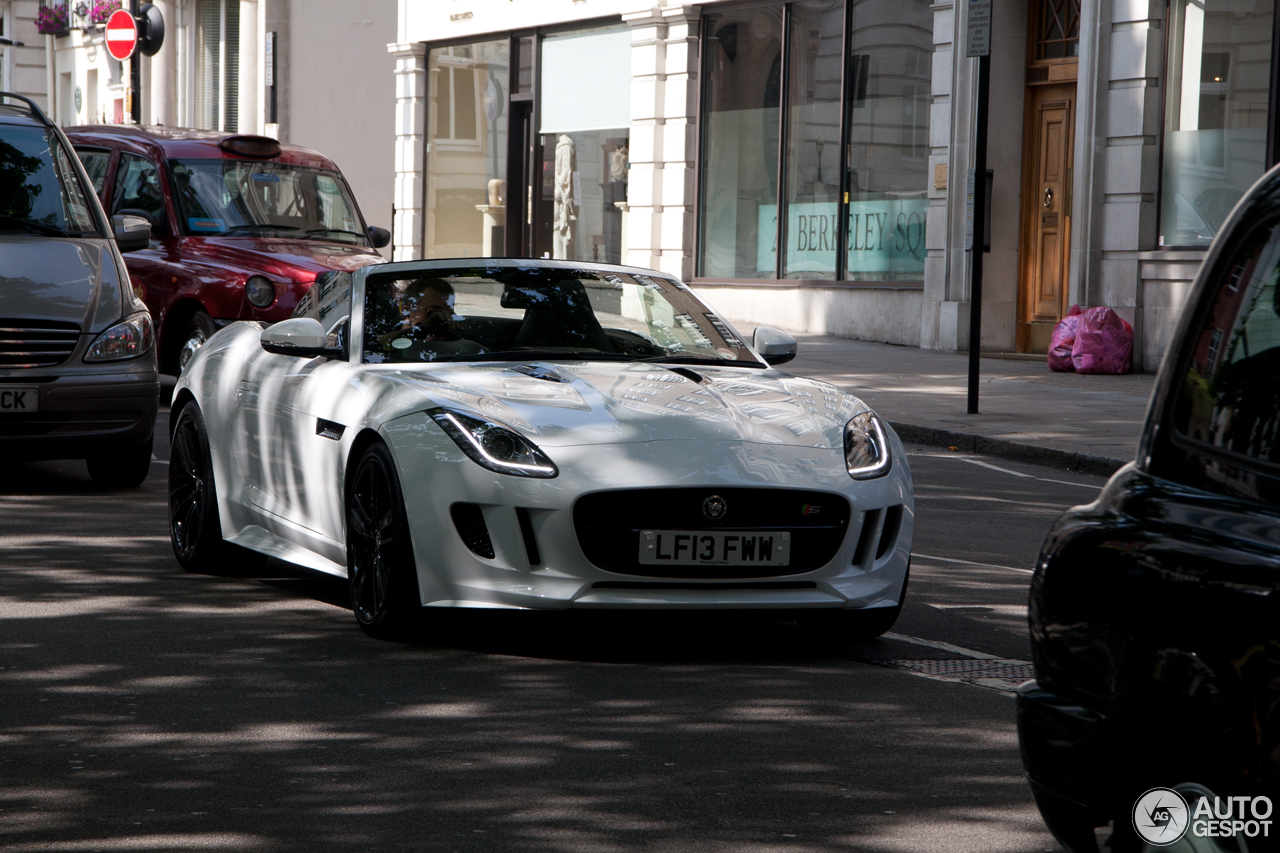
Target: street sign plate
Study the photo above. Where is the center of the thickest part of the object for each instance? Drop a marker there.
(978, 41)
(122, 35)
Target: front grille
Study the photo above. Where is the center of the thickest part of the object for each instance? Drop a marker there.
(608, 525)
(36, 343)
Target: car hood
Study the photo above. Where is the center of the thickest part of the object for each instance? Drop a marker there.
(60, 280)
(562, 405)
(295, 259)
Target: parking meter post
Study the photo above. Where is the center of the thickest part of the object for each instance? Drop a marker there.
(980, 218)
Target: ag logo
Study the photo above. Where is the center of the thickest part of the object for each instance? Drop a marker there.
(714, 507)
(1160, 817)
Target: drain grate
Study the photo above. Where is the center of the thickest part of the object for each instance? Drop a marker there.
(1000, 674)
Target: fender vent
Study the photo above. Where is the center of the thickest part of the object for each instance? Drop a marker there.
(471, 527)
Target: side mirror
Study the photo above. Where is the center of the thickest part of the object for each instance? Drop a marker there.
(299, 336)
(132, 232)
(379, 236)
(774, 345)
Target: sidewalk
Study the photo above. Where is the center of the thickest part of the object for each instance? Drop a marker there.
(1027, 412)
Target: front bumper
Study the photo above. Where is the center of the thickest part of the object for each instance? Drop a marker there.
(1065, 750)
(82, 411)
(435, 477)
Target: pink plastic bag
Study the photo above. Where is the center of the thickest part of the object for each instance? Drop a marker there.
(1062, 340)
(1104, 343)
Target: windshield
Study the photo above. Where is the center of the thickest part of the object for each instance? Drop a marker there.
(509, 313)
(253, 198)
(39, 190)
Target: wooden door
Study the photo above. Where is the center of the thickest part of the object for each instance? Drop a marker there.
(1046, 213)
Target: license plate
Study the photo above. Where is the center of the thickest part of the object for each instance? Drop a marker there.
(19, 398)
(714, 548)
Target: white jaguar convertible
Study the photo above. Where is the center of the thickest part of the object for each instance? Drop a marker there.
(536, 434)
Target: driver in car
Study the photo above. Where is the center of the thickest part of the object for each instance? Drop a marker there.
(428, 329)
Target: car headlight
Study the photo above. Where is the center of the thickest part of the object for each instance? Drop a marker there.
(494, 446)
(259, 291)
(129, 339)
(866, 447)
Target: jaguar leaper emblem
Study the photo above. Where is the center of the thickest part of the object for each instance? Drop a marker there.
(714, 507)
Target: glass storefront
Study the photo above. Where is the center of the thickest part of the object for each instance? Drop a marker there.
(853, 82)
(584, 131)
(1217, 86)
(466, 150)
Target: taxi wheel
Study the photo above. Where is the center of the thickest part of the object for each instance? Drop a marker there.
(381, 573)
(121, 467)
(198, 329)
(194, 527)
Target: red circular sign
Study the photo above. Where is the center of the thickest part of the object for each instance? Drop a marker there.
(122, 34)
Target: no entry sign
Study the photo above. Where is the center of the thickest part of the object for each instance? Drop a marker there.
(122, 35)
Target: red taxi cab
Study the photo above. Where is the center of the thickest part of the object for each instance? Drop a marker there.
(240, 225)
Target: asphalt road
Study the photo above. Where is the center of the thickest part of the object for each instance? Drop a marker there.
(144, 708)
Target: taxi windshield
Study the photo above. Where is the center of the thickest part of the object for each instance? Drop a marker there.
(516, 314)
(252, 198)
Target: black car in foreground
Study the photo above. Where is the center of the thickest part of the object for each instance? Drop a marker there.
(1155, 610)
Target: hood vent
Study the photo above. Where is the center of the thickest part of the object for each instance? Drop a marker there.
(547, 374)
(36, 343)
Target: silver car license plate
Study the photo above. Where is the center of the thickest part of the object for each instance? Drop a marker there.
(19, 398)
(714, 548)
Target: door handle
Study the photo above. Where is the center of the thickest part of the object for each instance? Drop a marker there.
(1048, 198)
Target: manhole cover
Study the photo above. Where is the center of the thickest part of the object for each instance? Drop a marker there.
(1001, 674)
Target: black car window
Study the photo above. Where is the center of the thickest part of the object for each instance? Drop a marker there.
(138, 190)
(95, 162)
(39, 189)
(1229, 402)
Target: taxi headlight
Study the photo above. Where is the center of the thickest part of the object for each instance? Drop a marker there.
(260, 291)
(866, 447)
(130, 339)
(495, 446)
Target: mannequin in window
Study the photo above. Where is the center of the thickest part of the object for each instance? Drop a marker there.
(565, 213)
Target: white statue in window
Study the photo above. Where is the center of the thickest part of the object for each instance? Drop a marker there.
(565, 213)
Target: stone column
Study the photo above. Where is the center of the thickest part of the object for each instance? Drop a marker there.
(938, 314)
(410, 129)
(661, 189)
(163, 75)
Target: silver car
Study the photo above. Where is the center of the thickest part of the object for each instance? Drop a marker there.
(78, 373)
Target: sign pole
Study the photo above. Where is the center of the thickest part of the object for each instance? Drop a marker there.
(979, 45)
(135, 74)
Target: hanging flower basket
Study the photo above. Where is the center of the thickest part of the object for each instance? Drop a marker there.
(100, 10)
(53, 20)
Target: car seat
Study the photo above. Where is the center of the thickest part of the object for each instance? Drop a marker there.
(557, 317)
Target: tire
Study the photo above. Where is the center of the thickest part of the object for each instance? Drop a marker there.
(195, 530)
(198, 329)
(121, 467)
(381, 574)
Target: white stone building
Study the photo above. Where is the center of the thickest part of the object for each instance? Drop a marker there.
(246, 66)
(671, 135)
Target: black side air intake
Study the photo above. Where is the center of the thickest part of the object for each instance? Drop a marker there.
(892, 523)
(526, 531)
(471, 527)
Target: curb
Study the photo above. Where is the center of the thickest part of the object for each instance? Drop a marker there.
(1084, 463)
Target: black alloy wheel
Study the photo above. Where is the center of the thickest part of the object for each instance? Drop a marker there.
(381, 572)
(194, 526)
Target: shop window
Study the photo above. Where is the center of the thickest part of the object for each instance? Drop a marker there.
(855, 141)
(466, 150)
(1217, 87)
(585, 143)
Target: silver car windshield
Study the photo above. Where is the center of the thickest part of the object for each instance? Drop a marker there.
(39, 189)
(254, 198)
(513, 313)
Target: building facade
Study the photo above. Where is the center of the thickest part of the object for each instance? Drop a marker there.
(805, 163)
(239, 66)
